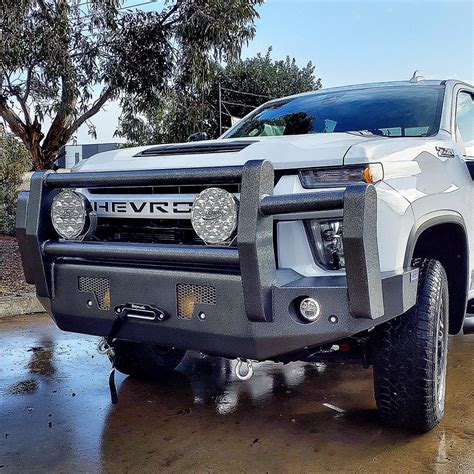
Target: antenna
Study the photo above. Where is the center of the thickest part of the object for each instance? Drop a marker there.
(417, 77)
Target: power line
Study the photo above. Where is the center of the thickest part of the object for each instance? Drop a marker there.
(125, 7)
(238, 104)
(247, 93)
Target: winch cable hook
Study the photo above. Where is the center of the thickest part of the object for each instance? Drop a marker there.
(246, 374)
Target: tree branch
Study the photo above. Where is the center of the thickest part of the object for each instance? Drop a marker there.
(171, 11)
(63, 116)
(17, 126)
(96, 106)
(28, 83)
(44, 9)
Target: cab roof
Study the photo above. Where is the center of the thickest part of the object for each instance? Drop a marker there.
(374, 85)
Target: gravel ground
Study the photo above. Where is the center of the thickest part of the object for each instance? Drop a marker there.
(12, 281)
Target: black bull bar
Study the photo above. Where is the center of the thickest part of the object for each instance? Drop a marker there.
(254, 257)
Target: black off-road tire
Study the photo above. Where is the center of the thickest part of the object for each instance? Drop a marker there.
(410, 356)
(146, 361)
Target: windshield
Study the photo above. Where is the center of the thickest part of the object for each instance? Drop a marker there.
(405, 111)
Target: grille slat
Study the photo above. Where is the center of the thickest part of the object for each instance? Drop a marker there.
(154, 190)
(147, 231)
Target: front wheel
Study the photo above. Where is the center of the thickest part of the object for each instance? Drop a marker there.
(145, 361)
(410, 356)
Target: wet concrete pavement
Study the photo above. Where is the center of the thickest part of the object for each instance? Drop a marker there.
(55, 414)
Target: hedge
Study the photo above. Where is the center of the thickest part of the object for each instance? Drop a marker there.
(14, 161)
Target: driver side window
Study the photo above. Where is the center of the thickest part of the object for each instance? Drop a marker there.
(465, 122)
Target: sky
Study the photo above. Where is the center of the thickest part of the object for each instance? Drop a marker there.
(352, 42)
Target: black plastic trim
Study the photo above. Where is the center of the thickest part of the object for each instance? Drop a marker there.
(430, 220)
(197, 149)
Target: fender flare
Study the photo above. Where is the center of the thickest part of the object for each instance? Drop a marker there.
(431, 220)
(427, 221)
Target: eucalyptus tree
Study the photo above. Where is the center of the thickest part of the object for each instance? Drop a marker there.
(65, 59)
(193, 105)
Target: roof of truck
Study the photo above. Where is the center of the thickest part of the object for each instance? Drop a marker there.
(423, 82)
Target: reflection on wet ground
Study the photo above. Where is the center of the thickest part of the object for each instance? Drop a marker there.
(55, 414)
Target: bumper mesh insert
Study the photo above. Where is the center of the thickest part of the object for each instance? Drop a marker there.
(188, 296)
(100, 287)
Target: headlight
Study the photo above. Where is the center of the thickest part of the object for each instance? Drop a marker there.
(326, 243)
(214, 216)
(69, 214)
(341, 175)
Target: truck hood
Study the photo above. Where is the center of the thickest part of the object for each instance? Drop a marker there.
(284, 152)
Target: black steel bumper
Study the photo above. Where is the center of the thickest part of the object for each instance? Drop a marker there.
(254, 314)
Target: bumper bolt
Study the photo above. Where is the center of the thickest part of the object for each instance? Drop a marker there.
(202, 316)
(89, 303)
(333, 319)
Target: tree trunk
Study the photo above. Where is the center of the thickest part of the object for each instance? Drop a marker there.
(41, 160)
(38, 158)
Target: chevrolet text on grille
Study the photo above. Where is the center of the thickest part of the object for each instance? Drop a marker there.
(142, 208)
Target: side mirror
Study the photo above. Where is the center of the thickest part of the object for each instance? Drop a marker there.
(198, 137)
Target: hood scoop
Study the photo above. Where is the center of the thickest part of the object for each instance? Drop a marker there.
(197, 149)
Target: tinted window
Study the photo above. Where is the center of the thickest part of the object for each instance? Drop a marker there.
(391, 111)
(465, 122)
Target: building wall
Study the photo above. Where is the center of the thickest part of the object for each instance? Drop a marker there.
(71, 154)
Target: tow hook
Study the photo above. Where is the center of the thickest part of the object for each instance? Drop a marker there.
(244, 374)
(104, 348)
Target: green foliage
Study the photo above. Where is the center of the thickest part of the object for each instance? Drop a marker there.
(192, 104)
(66, 58)
(14, 161)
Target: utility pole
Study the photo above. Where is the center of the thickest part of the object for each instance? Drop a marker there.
(220, 109)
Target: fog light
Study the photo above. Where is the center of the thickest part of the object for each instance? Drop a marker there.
(326, 243)
(214, 216)
(310, 309)
(69, 214)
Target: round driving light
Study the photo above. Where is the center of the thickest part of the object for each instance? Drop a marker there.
(69, 212)
(310, 309)
(214, 215)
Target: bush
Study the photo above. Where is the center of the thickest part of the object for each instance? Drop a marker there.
(14, 161)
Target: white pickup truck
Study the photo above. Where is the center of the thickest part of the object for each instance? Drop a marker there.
(335, 225)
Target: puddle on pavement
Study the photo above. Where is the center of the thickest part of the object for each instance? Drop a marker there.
(200, 418)
(41, 359)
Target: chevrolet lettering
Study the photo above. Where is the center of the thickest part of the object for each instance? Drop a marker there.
(148, 207)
